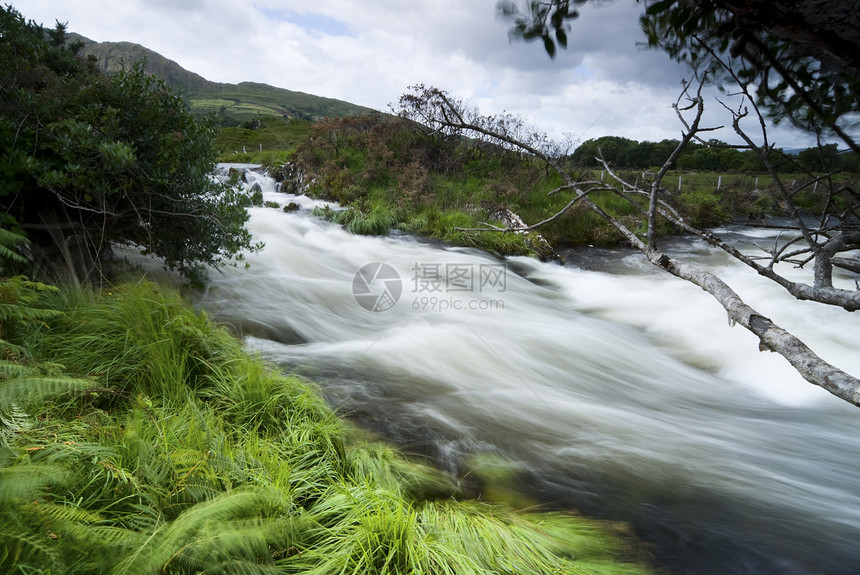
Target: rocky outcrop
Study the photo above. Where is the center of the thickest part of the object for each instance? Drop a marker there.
(290, 178)
(238, 174)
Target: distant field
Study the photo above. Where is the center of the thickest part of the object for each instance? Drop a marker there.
(236, 104)
(676, 180)
(274, 134)
(236, 111)
(733, 193)
(211, 103)
(681, 180)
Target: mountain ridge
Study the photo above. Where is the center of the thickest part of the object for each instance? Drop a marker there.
(232, 104)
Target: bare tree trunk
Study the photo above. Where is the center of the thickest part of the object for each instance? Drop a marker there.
(771, 336)
(440, 112)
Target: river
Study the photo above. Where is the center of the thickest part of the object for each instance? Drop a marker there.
(615, 388)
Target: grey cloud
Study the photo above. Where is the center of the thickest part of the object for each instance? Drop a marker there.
(457, 45)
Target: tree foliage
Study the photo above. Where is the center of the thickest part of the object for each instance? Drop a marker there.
(800, 61)
(89, 160)
(547, 21)
(713, 155)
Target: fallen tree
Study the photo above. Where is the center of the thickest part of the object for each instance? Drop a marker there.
(818, 244)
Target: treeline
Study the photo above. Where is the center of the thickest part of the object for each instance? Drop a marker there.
(716, 157)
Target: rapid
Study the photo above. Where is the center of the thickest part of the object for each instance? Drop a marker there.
(611, 386)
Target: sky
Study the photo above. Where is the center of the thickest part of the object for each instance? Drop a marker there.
(369, 52)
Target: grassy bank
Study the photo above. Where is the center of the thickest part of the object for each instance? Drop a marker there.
(264, 140)
(390, 175)
(138, 437)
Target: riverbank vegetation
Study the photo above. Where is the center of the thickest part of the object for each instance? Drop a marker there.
(89, 161)
(136, 436)
(268, 141)
(390, 173)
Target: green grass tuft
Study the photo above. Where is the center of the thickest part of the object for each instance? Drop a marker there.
(157, 445)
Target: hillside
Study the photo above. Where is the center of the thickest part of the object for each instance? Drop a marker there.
(233, 103)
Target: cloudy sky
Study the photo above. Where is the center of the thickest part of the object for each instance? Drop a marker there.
(369, 51)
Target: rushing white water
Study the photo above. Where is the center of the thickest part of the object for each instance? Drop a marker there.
(620, 389)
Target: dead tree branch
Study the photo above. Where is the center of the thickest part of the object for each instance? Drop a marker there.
(440, 112)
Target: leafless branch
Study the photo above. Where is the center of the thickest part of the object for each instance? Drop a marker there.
(442, 112)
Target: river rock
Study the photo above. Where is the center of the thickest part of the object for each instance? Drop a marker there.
(256, 193)
(240, 174)
(292, 207)
(290, 178)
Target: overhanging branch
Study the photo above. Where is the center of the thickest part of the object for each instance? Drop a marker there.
(445, 112)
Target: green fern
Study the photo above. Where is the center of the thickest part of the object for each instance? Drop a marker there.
(20, 384)
(16, 421)
(212, 532)
(24, 544)
(24, 551)
(20, 299)
(10, 243)
(23, 483)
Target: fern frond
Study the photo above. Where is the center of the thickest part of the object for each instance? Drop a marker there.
(21, 389)
(142, 518)
(11, 369)
(242, 567)
(67, 513)
(25, 551)
(17, 420)
(27, 482)
(10, 240)
(20, 306)
(10, 255)
(17, 312)
(249, 543)
(109, 535)
(172, 540)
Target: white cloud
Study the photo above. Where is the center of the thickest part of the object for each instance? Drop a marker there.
(369, 52)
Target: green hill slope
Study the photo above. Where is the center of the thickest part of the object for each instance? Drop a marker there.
(232, 103)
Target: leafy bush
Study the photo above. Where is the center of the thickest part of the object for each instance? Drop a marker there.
(90, 161)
